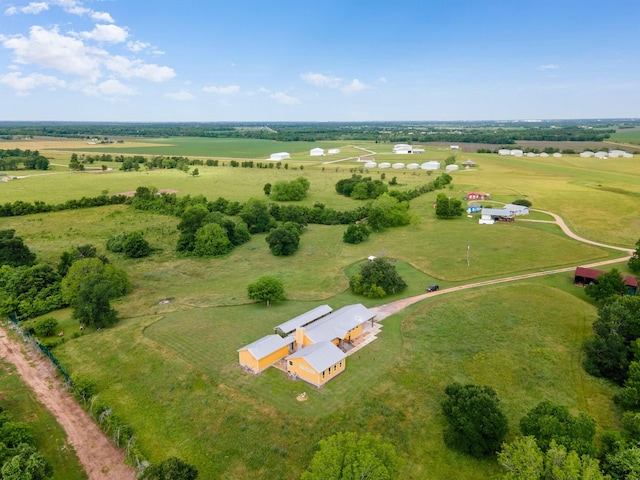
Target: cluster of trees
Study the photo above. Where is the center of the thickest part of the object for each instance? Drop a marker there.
(29, 159)
(376, 279)
(19, 456)
(82, 279)
(361, 188)
(19, 208)
(447, 207)
(356, 233)
(294, 190)
(209, 234)
(131, 244)
(386, 212)
(554, 443)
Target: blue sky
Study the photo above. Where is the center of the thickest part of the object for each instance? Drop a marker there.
(318, 60)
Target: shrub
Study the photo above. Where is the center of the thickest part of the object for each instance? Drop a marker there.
(46, 327)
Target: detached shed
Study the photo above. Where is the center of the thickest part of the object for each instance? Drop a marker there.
(316, 152)
(279, 156)
(585, 276)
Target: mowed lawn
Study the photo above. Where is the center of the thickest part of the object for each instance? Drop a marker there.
(175, 378)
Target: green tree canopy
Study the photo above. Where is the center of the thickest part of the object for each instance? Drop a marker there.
(266, 289)
(347, 456)
(115, 279)
(607, 286)
(356, 233)
(284, 240)
(475, 423)
(131, 244)
(524, 460)
(294, 190)
(447, 207)
(92, 302)
(549, 422)
(26, 464)
(387, 211)
(211, 240)
(377, 279)
(13, 251)
(255, 213)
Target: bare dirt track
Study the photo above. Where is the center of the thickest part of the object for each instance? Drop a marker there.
(101, 460)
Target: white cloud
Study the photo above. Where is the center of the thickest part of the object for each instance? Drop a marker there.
(109, 88)
(320, 80)
(182, 95)
(50, 49)
(137, 68)
(102, 17)
(548, 67)
(106, 33)
(355, 86)
(264, 90)
(76, 8)
(222, 90)
(382, 80)
(138, 46)
(281, 97)
(32, 9)
(24, 84)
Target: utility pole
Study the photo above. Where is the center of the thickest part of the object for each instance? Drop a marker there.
(468, 248)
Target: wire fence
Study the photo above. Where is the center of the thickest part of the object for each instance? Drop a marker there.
(34, 341)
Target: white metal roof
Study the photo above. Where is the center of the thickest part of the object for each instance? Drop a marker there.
(320, 355)
(303, 319)
(267, 345)
(338, 324)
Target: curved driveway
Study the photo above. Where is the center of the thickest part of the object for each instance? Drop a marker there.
(384, 311)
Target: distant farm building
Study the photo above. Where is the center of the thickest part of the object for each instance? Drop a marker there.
(474, 208)
(316, 152)
(370, 165)
(384, 165)
(587, 154)
(413, 166)
(544, 154)
(514, 153)
(312, 346)
(585, 276)
(557, 155)
(397, 166)
(454, 147)
(452, 167)
(601, 154)
(405, 149)
(333, 151)
(619, 154)
(506, 214)
(277, 157)
(431, 165)
(469, 163)
(477, 196)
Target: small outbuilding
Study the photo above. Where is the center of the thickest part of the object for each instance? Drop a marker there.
(585, 276)
(370, 165)
(452, 167)
(384, 165)
(333, 151)
(316, 152)
(397, 166)
(469, 163)
(431, 165)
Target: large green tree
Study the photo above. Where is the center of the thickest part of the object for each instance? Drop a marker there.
(347, 456)
(26, 464)
(607, 286)
(609, 352)
(284, 240)
(255, 213)
(356, 233)
(211, 240)
(475, 423)
(92, 302)
(294, 190)
(13, 251)
(377, 279)
(387, 211)
(266, 289)
(86, 268)
(447, 207)
(549, 422)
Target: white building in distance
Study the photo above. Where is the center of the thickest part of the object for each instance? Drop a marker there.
(277, 157)
(316, 152)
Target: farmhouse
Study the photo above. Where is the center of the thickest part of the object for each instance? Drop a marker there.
(469, 163)
(316, 152)
(584, 276)
(279, 156)
(312, 346)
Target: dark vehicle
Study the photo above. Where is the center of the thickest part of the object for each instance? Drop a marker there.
(433, 288)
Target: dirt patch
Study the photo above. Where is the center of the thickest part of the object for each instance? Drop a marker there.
(101, 460)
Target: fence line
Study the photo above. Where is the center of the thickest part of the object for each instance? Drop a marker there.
(29, 338)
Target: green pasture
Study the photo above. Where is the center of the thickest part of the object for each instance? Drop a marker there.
(627, 135)
(171, 369)
(18, 399)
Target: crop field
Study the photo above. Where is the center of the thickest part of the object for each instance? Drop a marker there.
(170, 369)
(627, 135)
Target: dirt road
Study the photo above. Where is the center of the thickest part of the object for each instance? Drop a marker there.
(101, 460)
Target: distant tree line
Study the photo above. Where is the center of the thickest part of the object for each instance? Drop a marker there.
(473, 132)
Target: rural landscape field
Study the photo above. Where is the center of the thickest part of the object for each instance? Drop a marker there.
(169, 367)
